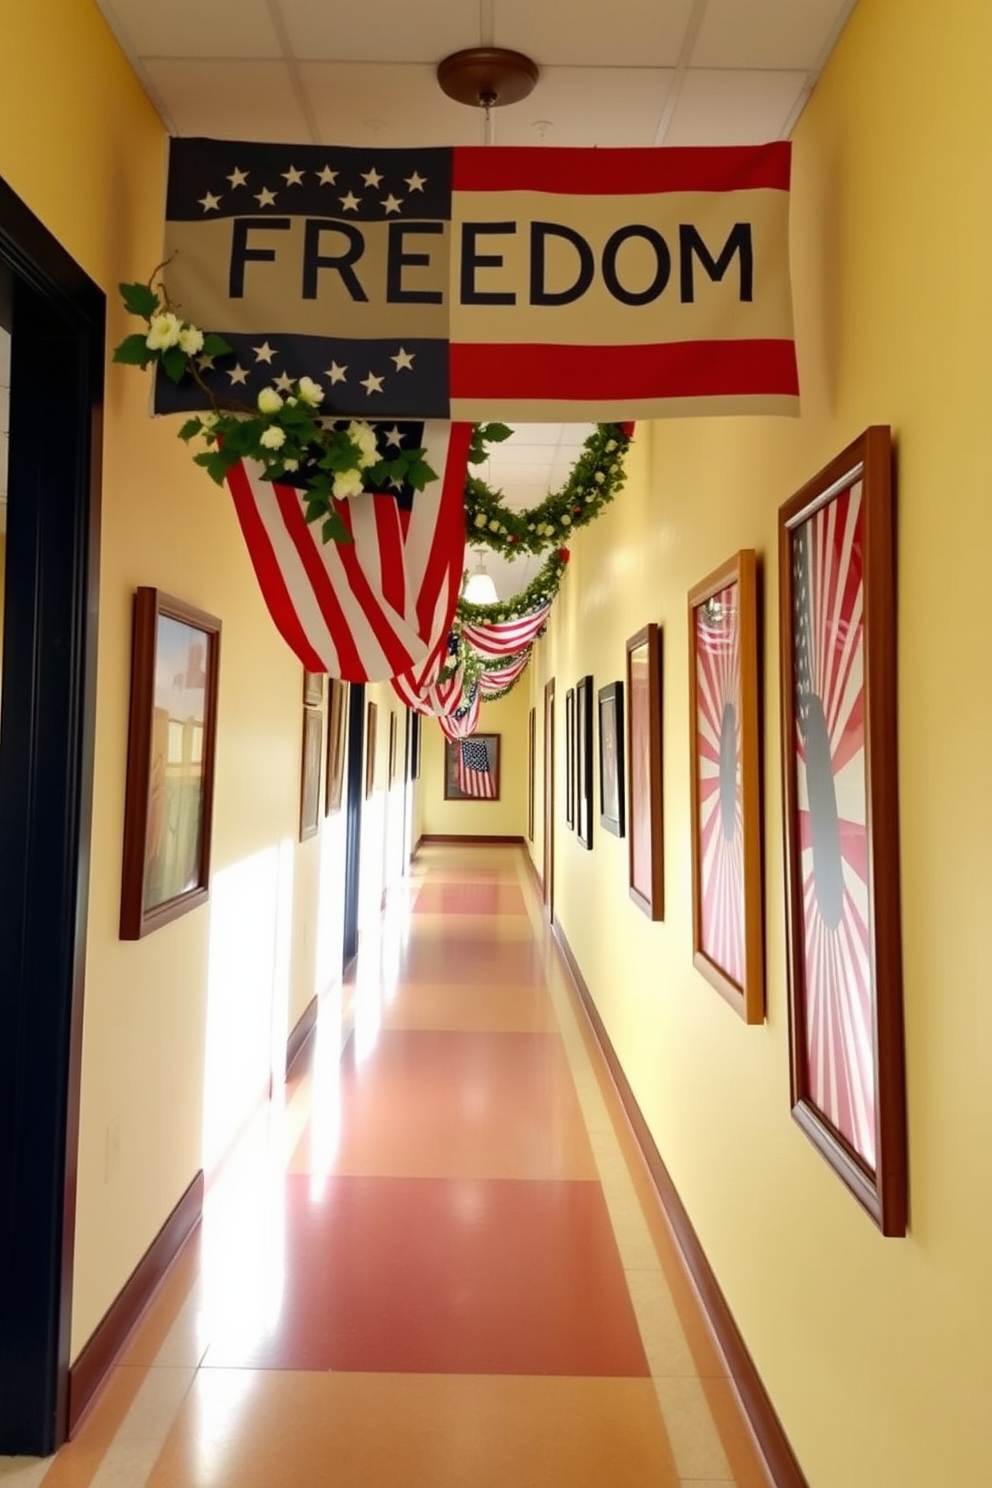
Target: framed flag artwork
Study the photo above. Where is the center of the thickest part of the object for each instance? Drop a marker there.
(647, 879)
(471, 768)
(725, 785)
(837, 632)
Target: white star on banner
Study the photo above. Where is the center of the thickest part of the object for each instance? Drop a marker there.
(264, 353)
(416, 182)
(210, 203)
(237, 374)
(283, 383)
(327, 177)
(392, 204)
(293, 177)
(350, 202)
(372, 178)
(372, 384)
(336, 373)
(394, 436)
(205, 363)
(265, 197)
(404, 360)
(238, 177)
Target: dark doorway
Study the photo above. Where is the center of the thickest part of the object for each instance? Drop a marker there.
(55, 318)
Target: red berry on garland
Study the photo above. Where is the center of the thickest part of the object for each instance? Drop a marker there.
(564, 554)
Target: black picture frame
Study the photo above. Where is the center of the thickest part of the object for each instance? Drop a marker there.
(583, 761)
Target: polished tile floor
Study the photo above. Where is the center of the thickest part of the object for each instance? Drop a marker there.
(434, 1260)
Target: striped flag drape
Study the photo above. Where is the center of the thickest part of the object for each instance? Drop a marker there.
(381, 606)
(501, 677)
(505, 637)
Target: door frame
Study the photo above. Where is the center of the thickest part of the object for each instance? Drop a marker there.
(549, 798)
(47, 734)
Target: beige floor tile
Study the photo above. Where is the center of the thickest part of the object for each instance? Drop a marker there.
(661, 1331)
(696, 1443)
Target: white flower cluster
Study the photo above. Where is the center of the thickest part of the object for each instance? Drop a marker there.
(166, 330)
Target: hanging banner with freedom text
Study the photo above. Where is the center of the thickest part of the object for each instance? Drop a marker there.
(487, 283)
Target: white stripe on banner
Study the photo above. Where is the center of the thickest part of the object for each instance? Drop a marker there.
(505, 637)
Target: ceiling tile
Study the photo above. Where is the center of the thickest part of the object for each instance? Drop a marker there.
(230, 100)
(188, 28)
(586, 106)
(631, 33)
(349, 31)
(356, 104)
(768, 33)
(739, 108)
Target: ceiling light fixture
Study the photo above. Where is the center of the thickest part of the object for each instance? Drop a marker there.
(480, 588)
(487, 77)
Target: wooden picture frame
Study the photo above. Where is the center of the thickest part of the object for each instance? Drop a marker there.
(471, 768)
(611, 758)
(414, 723)
(313, 689)
(531, 768)
(570, 757)
(644, 772)
(583, 761)
(172, 741)
(837, 629)
(371, 718)
(313, 741)
(337, 718)
(725, 785)
(392, 747)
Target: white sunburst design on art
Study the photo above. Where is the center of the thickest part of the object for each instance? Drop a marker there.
(721, 824)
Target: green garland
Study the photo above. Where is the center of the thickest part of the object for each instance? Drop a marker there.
(596, 477)
(541, 590)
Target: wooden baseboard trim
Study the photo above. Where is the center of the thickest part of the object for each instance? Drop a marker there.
(430, 838)
(780, 1460)
(89, 1371)
(535, 876)
(304, 1027)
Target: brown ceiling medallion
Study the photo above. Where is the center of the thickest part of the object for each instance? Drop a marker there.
(487, 77)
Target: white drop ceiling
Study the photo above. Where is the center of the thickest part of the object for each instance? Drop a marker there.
(346, 72)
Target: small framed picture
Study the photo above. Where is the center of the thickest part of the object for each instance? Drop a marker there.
(647, 872)
(611, 782)
(313, 689)
(725, 784)
(313, 738)
(837, 629)
(471, 768)
(337, 718)
(371, 716)
(583, 761)
(570, 757)
(170, 762)
(531, 766)
(392, 746)
(413, 727)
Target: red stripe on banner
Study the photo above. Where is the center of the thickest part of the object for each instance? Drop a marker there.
(450, 551)
(350, 660)
(575, 172)
(391, 536)
(274, 591)
(678, 369)
(396, 654)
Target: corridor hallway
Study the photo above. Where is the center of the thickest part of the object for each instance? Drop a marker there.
(434, 1259)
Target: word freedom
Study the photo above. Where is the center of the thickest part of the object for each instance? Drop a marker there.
(634, 264)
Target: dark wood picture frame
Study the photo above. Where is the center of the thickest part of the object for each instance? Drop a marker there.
(725, 785)
(612, 802)
(337, 718)
(170, 762)
(371, 719)
(414, 726)
(583, 761)
(313, 748)
(392, 747)
(837, 628)
(570, 757)
(645, 834)
(531, 768)
(313, 689)
(488, 789)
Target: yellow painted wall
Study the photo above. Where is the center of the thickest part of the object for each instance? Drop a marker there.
(83, 147)
(506, 817)
(877, 1352)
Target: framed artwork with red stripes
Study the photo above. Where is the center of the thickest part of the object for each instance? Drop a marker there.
(837, 631)
(727, 918)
